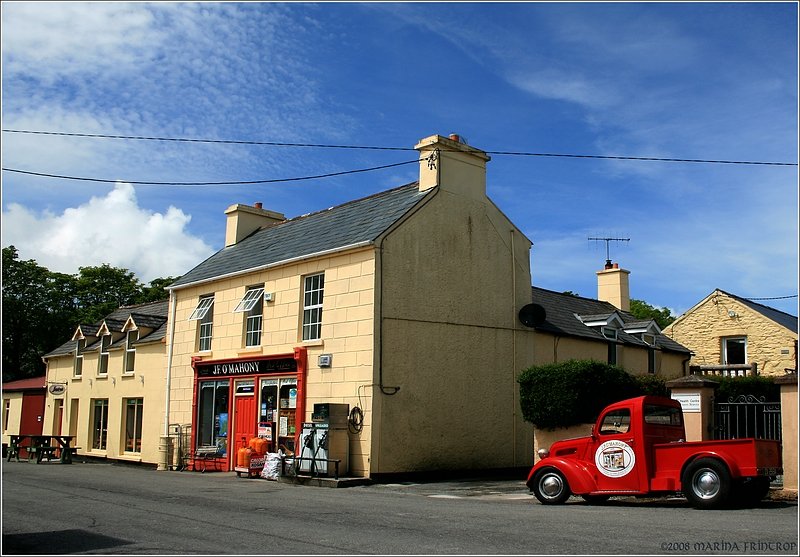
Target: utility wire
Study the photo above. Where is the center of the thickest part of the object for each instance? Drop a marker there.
(773, 298)
(226, 183)
(384, 148)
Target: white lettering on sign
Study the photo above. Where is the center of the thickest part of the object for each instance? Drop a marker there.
(690, 402)
(614, 459)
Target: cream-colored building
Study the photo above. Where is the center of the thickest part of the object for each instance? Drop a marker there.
(727, 330)
(402, 306)
(572, 327)
(111, 391)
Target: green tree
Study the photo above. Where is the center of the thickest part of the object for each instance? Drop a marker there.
(39, 311)
(643, 310)
(102, 289)
(156, 290)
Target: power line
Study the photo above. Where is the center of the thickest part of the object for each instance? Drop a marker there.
(773, 298)
(389, 148)
(225, 183)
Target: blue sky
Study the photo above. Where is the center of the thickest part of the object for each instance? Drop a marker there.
(674, 80)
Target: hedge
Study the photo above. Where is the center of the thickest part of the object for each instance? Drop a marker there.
(576, 391)
(733, 387)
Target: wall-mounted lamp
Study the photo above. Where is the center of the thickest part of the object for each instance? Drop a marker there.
(141, 379)
(113, 380)
(731, 313)
(90, 382)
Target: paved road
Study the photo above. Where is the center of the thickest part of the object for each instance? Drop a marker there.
(92, 508)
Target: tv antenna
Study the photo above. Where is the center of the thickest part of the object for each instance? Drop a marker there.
(608, 241)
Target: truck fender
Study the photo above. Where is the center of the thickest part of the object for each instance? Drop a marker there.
(722, 456)
(579, 477)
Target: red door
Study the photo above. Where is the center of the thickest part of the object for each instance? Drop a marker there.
(244, 422)
(32, 420)
(615, 453)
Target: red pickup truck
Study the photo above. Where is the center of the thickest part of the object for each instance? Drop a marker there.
(637, 447)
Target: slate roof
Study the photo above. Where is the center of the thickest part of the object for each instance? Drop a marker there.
(562, 311)
(355, 222)
(152, 315)
(779, 317)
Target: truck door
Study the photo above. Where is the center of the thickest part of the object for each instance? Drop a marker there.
(615, 453)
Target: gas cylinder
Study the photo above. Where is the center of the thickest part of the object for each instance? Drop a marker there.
(259, 445)
(243, 457)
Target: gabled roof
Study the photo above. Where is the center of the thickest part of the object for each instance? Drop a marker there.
(355, 223)
(563, 313)
(779, 317)
(29, 384)
(154, 313)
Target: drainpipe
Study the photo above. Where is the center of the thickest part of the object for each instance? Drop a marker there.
(164, 443)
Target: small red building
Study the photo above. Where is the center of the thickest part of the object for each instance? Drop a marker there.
(23, 407)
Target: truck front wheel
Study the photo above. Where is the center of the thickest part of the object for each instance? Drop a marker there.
(550, 487)
(706, 483)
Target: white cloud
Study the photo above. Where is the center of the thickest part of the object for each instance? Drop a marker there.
(111, 229)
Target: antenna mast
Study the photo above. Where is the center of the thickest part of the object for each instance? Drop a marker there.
(607, 241)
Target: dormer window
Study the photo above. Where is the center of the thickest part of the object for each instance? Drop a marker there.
(102, 365)
(80, 346)
(609, 332)
(649, 339)
(130, 350)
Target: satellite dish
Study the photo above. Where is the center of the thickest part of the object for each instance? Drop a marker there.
(532, 315)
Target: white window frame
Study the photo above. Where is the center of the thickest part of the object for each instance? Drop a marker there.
(250, 299)
(725, 341)
(313, 295)
(135, 405)
(80, 346)
(130, 351)
(102, 362)
(205, 304)
(609, 332)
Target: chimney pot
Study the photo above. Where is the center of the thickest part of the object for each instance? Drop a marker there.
(454, 137)
(616, 265)
(258, 205)
(608, 264)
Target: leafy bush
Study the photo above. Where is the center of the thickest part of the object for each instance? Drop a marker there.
(733, 387)
(573, 392)
(651, 385)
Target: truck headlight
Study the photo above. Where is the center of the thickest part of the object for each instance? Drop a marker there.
(543, 453)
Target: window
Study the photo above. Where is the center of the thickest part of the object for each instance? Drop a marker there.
(734, 350)
(312, 306)
(133, 424)
(649, 339)
(102, 364)
(80, 346)
(204, 313)
(253, 305)
(662, 415)
(6, 413)
(99, 423)
(212, 415)
(616, 421)
(609, 332)
(612, 353)
(130, 351)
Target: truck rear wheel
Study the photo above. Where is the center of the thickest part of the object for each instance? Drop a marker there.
(707, 483)
(550, 487)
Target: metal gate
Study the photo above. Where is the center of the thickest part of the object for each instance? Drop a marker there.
(747, 416)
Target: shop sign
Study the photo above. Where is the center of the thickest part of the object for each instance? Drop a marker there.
(250, 367)
(56, 389)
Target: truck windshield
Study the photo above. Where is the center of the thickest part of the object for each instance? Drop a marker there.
(662, 415)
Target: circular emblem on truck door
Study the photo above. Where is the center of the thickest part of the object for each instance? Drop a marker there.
(614, 459)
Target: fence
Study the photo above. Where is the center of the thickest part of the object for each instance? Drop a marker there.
(747, 416)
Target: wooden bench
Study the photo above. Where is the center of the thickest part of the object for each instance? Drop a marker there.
(45, 452)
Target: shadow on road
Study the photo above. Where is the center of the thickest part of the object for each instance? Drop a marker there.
(58, 542)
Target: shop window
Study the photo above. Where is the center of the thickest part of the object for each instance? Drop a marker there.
(204, 313)
(80, 346)
(253, 306)
(212, 417)
(99, 423)
(133, 424)
(130, 350)
(313, 289)
(102, 364)
(734, 350)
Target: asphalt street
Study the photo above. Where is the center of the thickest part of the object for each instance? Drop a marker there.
(101, 508)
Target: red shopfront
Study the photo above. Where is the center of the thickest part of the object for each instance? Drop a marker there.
(235, 400)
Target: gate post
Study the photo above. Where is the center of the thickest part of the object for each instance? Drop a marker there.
(696, 395)
(788, 384)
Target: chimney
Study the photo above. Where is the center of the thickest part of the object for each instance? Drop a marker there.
(243, 220)
(612, 286)
(452, 165)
